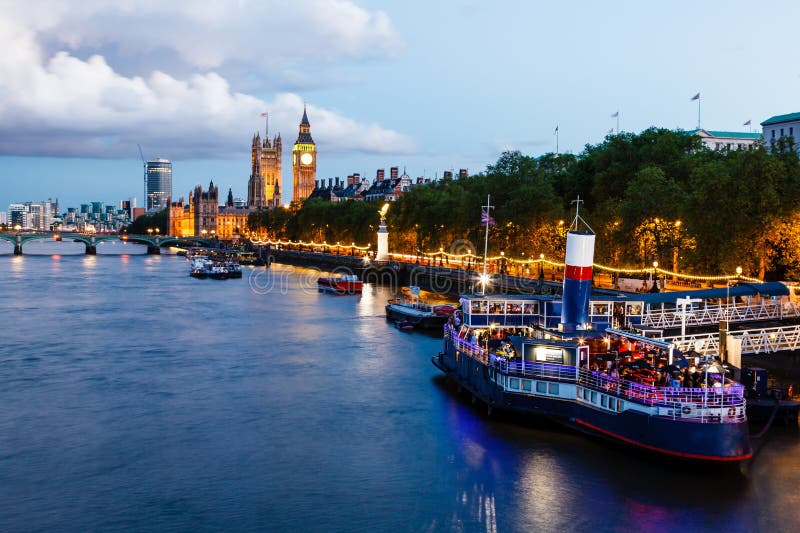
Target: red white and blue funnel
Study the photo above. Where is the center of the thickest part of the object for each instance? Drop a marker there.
(577, 280)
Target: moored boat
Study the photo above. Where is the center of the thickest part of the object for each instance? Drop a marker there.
(342, 284)
(418, 313)
(610, 383)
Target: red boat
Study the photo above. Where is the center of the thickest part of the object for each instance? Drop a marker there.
(346, 284)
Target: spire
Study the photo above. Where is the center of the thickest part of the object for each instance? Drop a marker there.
(305, 122)
(229, 203)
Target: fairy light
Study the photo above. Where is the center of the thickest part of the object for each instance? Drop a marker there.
(537, 261)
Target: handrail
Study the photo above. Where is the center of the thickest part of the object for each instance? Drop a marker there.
(730, 396)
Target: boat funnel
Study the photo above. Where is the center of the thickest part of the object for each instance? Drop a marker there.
(577, 280)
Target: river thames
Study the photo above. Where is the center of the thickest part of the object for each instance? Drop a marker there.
(133, 397)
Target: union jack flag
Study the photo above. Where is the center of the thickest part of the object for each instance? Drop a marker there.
(486, 218)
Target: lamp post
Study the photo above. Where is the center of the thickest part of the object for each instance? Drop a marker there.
(149, 231)
(655, 273)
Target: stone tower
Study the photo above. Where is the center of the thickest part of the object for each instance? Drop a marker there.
(304, 161)
(266, 165)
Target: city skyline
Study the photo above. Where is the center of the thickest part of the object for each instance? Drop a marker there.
(384, 86)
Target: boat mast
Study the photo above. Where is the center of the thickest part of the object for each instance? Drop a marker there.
(485, 218)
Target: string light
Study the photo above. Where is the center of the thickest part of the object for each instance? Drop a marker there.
(540, 260)
(312, 243)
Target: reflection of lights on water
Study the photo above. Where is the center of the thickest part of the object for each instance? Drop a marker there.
(541, 480)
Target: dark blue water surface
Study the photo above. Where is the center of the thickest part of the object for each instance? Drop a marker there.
(133, 397)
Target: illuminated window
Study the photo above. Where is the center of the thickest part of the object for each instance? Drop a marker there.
(552, 388)
(541, 387)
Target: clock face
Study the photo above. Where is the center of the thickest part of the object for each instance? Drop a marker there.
(306, 158)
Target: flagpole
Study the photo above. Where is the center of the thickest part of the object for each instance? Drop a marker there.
(485, 246)
(698, 112)
(617, 122)
(556, 139)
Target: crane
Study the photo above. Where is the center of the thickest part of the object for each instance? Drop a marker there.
(144, 167)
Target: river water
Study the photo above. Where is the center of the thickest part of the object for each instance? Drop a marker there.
(133, 397)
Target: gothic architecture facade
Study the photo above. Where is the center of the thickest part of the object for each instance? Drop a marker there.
(304, 162)
(202, 216)
(266, 163)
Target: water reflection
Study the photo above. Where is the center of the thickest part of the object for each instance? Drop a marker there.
(203, 401)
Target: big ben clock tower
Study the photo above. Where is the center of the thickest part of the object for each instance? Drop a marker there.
(304, 161)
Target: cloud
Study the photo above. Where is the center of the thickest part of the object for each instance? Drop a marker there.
(71, 103)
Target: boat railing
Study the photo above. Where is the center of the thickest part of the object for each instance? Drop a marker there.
(414, 304)
(687, 402)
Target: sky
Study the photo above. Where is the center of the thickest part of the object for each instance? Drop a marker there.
(426, 86)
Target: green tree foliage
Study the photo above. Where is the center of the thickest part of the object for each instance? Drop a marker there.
(145, 222)
(658, 195)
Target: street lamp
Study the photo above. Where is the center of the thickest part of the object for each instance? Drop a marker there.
(149, 231)
(655, 273)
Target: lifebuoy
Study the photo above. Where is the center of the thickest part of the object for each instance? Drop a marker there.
(686, 409)
(731, 412)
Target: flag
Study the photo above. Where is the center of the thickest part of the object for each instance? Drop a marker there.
(746, 123)
(696, 97)
(556, 130)
(615, 115)
(486, 218)
(263, 114)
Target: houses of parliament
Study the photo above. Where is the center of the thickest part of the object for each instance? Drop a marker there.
(203, 216)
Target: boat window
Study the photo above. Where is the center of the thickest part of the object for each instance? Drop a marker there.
(594, 397)
(513, 383)
(550, 355)
(496, 308)
(600, 309)
(478, 307)
(513, 308)
(531, 308)
(633, 309)
(541, 386)
(526, 385)
(604, 400)
(552, 388)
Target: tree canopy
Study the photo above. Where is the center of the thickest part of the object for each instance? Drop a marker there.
(655, 196)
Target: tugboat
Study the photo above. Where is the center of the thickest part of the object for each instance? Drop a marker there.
(344, 284)
(628, 388)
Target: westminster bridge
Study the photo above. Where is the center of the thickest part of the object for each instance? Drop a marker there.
(153, 242)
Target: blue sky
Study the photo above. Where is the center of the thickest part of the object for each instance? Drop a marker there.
(428, 86)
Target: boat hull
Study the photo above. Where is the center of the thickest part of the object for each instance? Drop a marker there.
(687, 439)
(336, 286)
(417, 319)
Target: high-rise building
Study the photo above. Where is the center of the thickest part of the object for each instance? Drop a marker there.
(158, 183)
(304, 161)
(266, 164)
